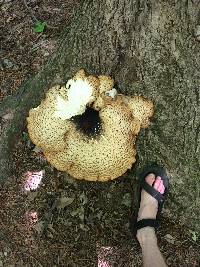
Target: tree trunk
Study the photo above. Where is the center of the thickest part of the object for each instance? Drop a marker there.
(149, 48)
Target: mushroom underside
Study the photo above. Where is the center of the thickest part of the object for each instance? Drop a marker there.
(93, 138)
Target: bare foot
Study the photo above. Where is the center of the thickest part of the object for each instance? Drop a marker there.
(149, 205)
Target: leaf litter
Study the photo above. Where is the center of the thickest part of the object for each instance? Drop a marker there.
(76, 223)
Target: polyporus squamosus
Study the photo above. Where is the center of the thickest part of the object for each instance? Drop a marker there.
(88, 130)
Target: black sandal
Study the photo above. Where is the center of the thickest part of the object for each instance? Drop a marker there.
(158, 171)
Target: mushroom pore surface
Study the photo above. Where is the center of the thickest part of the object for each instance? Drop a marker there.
(90, 135)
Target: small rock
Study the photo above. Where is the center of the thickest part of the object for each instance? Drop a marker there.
(1, 263)
(169, 238)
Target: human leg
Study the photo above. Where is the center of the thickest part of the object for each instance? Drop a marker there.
(146, 236)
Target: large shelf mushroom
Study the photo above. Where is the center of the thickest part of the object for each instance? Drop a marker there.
(87, 129)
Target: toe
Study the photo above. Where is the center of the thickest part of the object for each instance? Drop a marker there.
(161, 188)
(148, 204)
(157, 182)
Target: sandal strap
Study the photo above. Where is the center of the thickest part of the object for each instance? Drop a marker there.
(147, 222)
(152, 191)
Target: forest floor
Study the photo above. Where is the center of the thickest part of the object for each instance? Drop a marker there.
(48, 218)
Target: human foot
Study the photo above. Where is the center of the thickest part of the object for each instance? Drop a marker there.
(148, 204)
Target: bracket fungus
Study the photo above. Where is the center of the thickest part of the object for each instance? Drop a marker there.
(87, 129)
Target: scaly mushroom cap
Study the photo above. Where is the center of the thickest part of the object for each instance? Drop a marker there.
(45, 129)
(99, 157)
(104, 158)
(142, 109)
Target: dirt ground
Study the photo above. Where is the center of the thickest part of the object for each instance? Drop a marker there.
(22, 51)
(46, 217)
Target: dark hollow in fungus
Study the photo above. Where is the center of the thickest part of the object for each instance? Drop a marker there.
(89, 123)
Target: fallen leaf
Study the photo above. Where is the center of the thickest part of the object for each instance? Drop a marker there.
(39, 26)
(64, 201)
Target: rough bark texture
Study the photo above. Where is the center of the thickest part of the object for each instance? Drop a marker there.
(149, 48)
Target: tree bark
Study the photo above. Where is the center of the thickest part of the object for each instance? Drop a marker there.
(149, 48)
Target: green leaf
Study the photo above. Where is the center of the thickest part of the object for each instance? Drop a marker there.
(193, 235)
(39, 26)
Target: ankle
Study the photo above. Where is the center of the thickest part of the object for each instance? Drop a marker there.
(146, 235)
